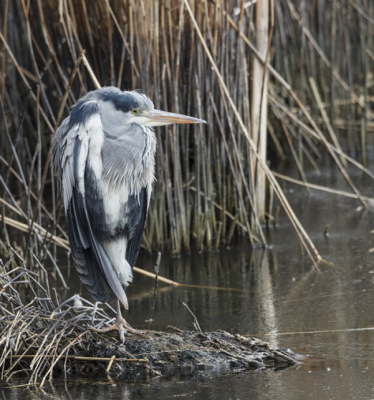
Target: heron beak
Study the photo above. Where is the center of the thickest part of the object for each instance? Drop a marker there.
(158, 118)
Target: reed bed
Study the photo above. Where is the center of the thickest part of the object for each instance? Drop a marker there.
(192, 57)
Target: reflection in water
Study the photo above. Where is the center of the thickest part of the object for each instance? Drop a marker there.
(267, 292)
(267, 297)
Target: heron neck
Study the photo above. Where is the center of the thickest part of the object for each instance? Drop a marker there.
(129, 159)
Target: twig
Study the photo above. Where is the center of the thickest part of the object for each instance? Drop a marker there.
(196, 323)
(156, 269)
(110, 363)
(322, 188)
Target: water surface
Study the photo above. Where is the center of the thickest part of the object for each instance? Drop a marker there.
(275, 294)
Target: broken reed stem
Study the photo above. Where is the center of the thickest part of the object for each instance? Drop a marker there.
(196, 323)
(110, 363)
(322, 188)
(151, 275)
(157, 270)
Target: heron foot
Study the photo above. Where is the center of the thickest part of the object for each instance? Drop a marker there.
(122, 327)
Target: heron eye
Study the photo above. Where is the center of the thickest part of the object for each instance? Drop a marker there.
(135, 112)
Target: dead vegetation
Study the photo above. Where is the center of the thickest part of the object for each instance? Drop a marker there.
(43, 338)
(194, 57)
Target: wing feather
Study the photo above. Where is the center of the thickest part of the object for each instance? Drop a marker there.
(70, 149)
(135, 231)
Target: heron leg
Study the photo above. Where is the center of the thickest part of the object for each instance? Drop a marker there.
(121, 326)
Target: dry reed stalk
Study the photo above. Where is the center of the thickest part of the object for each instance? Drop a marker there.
(295, 222)
(325, 117)
(65, 243)
(47, 235)
(24, 78)
(45, 211)
(299, 166)
(259, 103)
(307, 114)
(4, 58)
(322, 188)
(315, 135)
(335, 73)
(152, 45)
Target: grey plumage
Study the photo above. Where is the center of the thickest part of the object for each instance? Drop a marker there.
(104, 153)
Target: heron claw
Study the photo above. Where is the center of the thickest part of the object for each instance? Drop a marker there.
(122, 327)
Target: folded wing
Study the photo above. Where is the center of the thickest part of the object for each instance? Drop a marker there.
(70, 150)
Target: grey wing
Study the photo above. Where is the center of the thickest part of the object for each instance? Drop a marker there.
(136, 226)
(85, 259)
(70, 149)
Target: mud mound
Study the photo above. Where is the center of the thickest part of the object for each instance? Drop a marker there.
(45, 338)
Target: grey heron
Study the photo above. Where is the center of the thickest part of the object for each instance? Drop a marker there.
(104, 154)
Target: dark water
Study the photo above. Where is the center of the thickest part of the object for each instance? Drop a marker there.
(275, 294)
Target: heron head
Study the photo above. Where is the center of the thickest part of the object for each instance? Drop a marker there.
(138, 108)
